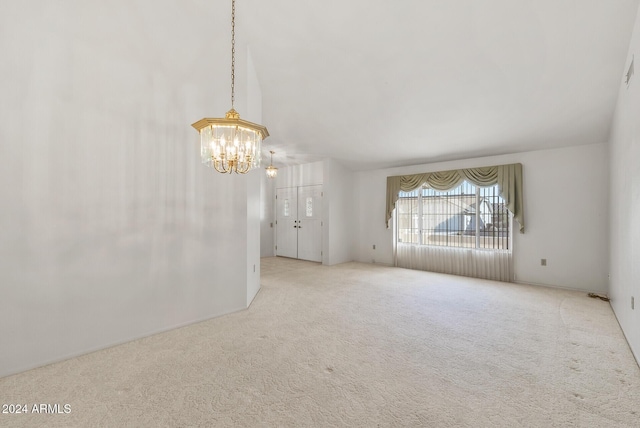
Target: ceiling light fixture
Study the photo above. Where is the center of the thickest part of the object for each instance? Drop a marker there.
(272, 171)
(231, 144)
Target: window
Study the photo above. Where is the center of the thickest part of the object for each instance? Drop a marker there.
(309, 207)
(467, 216)
(286, 208)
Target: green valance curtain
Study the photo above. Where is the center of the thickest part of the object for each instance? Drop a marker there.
(507, 177)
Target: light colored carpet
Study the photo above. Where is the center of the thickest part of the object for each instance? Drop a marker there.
(358, 345)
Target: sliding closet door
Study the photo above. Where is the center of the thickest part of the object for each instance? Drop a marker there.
(310, 223)
(287, 222)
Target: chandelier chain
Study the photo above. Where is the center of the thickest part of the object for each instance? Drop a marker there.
(233, 52)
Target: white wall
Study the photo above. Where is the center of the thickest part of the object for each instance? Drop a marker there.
(566, 209)
(253, 97)
(111, 229)
(253, 192)
(338, 213)
(625, 201)
(308, 174)
(267, 217)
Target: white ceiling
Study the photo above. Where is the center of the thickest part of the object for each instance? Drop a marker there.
(375, 83)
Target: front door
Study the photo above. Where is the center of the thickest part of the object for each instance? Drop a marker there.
(287, 222)
(310, 223)
(299, 222)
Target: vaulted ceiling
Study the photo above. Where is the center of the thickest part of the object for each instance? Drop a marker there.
(380, 83)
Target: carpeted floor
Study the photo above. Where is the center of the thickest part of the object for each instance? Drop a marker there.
(358, 345)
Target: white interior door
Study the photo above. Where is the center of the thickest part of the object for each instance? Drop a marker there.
(310, 223)
(287, 222)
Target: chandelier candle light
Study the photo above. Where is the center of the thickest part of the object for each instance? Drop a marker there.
(231, 144)
(272, 171)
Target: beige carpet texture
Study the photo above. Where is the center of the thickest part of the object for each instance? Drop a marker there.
(357, 345)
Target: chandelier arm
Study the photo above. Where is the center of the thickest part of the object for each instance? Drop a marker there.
(216, 165)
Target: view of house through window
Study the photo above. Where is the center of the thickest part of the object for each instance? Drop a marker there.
(467, 216)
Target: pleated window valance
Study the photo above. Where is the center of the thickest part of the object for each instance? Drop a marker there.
(507, 177)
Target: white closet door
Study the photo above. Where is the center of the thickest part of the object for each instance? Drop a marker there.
(310, 223)
(287, 222)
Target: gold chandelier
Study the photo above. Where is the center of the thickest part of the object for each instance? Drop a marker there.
(272, 171)
(231, 144)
